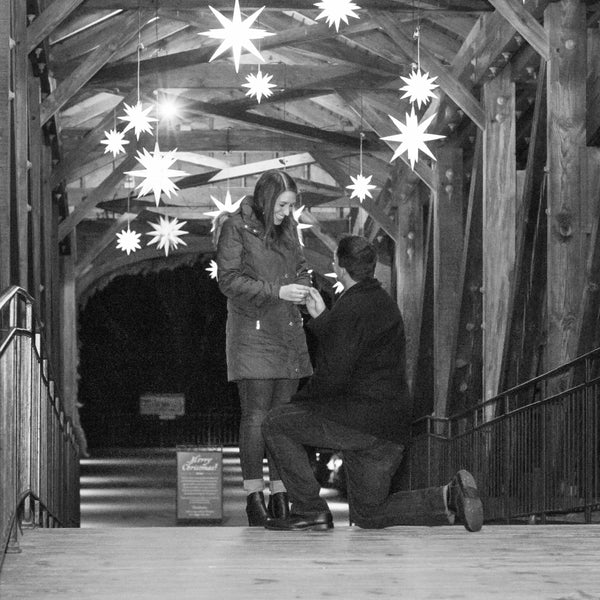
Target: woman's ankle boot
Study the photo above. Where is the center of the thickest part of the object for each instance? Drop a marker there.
(256, 509)
(279, 507)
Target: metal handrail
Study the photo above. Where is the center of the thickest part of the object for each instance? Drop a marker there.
(39, 456)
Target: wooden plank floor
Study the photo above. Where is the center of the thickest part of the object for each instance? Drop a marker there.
(507, 562)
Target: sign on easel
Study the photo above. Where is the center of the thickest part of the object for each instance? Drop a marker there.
(200, 484)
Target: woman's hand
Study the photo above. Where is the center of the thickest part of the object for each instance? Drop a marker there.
(314, 303)
(294, 292)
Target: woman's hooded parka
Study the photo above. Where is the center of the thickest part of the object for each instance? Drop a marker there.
(265, 335)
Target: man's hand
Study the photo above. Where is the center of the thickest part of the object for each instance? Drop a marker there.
(294, 292)
(314, 303)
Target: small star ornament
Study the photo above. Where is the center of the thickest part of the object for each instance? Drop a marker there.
(338, 286)
(259, 86)
(228, 206)
(212, 270)
(361, 186)
(137, 119)
(412, 137)
(156, 173)
(335, 11)
(419, 87)
(128, 241)
(300, 226)
(236, 34)
(167, 234)
(114, 142)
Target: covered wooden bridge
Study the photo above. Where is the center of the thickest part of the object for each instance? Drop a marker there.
(484, 203)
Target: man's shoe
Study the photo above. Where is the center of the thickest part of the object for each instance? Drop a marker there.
(464, 500)
(315, 522)
(256, 509)
(279, 506)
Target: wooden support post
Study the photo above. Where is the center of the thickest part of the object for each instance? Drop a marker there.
(5, 144)
(567, 177)
(593, 85)
(447, 253)
(499, 209)
(409, 264)
(35, 174)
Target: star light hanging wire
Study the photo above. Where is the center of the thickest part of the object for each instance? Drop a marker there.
(212, 270)
(167, 234)
(228, 207)
(129, 241)
(300, 226)
(335, 11)
(361, 186)
(236, 34)
(418, 86)
(156, 172)
(338, 286)
(114, 142)
(259, 85)
(412, 137)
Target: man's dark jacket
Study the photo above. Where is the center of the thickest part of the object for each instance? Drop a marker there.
(360, 371)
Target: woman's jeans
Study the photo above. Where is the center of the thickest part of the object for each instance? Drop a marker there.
(257, 397)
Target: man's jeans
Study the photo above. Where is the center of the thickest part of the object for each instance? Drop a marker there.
(370, 464)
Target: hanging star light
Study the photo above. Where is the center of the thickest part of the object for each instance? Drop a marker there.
(212, 270)
(114, 142)
(156, 172)
(137, 119)
(338, 286)
(166, 234)
(361, 187)
(418, 87)
(259, 85)
(129, 241)
(300, 226)
(236, 34)
(412, 137)
(228, 206)
(335, 11)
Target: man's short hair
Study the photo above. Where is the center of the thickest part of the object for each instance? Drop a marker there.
(357, 256)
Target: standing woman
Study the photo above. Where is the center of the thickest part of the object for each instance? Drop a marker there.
(263, 273)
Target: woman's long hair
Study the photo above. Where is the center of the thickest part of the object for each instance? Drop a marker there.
(268, 188)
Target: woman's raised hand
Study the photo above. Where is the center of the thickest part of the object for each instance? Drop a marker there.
(294, 292)
(314, 303)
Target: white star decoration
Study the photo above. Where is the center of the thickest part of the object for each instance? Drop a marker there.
(114, 142)
(335, 11)
(338, 286)
(300, 226)
(129, 241)
(361, 187)
(138, 119)
(259, 85)
(156, 172)
(236, 34)
(166, 234)
(212, 270)
(229, 206)
(419, 87)
(412, 137)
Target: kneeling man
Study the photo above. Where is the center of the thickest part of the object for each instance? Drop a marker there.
(357, 402)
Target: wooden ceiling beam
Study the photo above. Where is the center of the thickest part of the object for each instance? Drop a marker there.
(45, 23)
(121, 33)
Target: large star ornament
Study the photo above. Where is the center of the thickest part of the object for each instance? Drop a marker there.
(156, 173)
(236, 34)
(419, 87)
(114, 142)
(228, 206)
(361, 186)
(137, 119)
(213, 270)
(259, 85)
(412, 137)
(128, 241)
(167, 234)
(300, 226)
(338, 286)
(335, 11)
